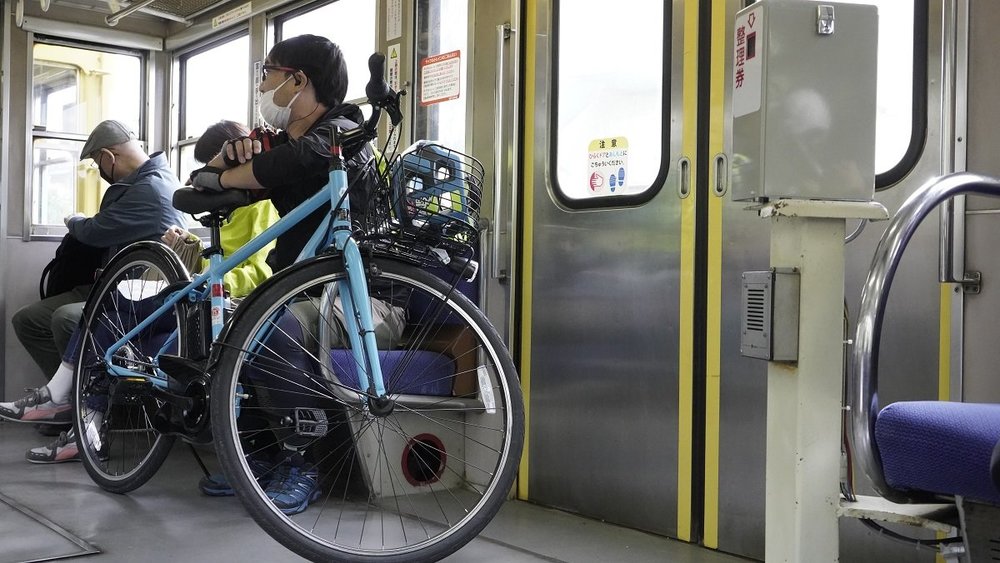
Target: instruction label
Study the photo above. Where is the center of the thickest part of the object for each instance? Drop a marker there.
(748, 45)
(240, 12)
(393, 19)
(607, 165)
(440, 78)
(395, 56)
(393, 67)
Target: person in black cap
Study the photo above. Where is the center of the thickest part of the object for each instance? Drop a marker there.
(243, 224)
(137, 206)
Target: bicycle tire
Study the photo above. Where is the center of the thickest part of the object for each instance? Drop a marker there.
(121, 450)
(414, 484)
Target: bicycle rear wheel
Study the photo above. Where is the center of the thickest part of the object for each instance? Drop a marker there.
(113, 416)
(410, 481)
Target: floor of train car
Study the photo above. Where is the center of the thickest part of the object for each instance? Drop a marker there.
(56, 511)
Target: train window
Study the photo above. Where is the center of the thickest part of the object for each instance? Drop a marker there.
(348, 23)
(442, 36)
(215, 85)
(894, 123)
(73, 89)
(610, 140)
(216, 78)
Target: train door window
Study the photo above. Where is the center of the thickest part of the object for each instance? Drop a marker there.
(442, 54)
(901, 89)
(215, 85)
(609, 93)
(75, 87)
(348, 23)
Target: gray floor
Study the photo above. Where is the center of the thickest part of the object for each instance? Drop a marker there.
(169, 520)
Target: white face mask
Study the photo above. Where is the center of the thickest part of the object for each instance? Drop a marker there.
(273, 114)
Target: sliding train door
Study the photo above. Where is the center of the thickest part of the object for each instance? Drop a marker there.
(641, 410)
(606, 259)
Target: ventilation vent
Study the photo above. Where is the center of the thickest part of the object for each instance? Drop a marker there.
(769, 315)
(185, 8)
(755, 313)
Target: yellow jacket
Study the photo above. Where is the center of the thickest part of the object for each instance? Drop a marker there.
(244, 224)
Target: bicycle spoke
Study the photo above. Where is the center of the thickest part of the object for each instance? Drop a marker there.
(115, 416)
(398, 475)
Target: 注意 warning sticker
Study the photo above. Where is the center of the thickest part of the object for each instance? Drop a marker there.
(607, 163)
(748, 45)
(440, 78)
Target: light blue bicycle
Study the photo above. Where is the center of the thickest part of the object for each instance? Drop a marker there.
(382, 380)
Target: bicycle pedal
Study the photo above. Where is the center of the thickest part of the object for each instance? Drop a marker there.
(311, 422)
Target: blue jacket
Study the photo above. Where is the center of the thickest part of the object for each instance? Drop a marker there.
(136, 208)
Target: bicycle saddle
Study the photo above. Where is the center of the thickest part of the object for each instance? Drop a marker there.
(190, 200)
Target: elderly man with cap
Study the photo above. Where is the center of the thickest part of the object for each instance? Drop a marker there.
(137, 206)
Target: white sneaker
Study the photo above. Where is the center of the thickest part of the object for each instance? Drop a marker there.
(61, 449)
(37, 407)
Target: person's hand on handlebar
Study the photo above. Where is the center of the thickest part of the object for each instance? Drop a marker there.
(240, 151)
(207, 178)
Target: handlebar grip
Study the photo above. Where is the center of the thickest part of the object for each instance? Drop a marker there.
(380, 96)
(377, 90)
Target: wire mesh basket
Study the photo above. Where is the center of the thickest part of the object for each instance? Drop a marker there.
(431, 200)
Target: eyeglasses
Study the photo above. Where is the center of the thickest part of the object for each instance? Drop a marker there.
(265, 68)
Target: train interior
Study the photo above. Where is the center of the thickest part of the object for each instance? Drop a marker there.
(740, 253)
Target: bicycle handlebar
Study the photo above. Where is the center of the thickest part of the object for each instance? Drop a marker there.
(378, 92)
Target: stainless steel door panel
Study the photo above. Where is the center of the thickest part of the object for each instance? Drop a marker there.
(604, 383)
(604, 338)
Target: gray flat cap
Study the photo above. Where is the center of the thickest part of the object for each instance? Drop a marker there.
(107, 134)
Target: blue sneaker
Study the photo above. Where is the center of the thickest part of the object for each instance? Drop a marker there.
(295, 485)
(215, 485)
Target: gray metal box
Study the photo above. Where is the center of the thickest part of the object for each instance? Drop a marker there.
(769, 315)
(803, 101)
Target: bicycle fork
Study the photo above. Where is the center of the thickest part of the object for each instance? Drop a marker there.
(356, 299)
(359, 323)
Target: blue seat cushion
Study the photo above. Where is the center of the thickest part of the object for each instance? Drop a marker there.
(423, 373)
(419, 304)
(940, 447)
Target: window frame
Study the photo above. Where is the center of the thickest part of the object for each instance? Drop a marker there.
(425, 121)
(610, 201)
(277, 18)
(183, 138)
(918, 123)
(32, 231)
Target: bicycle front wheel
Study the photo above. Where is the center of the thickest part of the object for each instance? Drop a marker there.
(410, 478)
(113, 416)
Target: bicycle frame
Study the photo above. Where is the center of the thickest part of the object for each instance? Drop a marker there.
(353, 290)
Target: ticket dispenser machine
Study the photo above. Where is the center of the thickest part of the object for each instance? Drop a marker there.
(803, 100)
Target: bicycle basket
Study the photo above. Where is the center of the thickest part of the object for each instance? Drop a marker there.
(432, 200)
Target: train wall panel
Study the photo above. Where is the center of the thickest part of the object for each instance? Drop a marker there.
(25, 261)
(980, 354)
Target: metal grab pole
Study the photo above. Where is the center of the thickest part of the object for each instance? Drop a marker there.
(862, 395)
